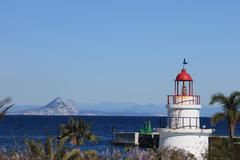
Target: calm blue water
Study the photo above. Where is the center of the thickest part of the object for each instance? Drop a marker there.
(14, 129)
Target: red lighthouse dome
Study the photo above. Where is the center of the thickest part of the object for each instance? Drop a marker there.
(183, 76)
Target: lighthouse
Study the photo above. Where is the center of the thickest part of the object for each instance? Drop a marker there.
(183, 130)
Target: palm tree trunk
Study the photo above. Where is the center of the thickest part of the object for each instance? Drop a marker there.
(229, 128)
(232, 130)
(232, 126)
(230, 133)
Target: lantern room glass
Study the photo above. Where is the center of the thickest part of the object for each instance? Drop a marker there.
(183, 88)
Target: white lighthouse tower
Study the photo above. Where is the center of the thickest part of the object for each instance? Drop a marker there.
(184, 130)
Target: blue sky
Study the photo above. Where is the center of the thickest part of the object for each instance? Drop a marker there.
(120, 51)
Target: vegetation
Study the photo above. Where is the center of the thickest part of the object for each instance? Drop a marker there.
(221, 149)
(150, 154)
(77, 131)
(4, 108)
(230, 105)
(37, 150)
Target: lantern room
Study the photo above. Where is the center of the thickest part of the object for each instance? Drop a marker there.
(184, 84)
(183, 90)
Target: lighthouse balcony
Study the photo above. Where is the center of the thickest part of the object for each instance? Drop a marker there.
(184, 122)
(183, 100)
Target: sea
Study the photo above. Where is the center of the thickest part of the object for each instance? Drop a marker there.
(15, 129)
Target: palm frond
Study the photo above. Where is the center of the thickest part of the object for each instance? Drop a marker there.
(48, 148)
(1, 105)
(70, 154)
(234, 95)
(5, 101)
(34, 149)
(91, 154)
(91, 137)
(61, 142)
(217, 117)
(77, 131)
(218, 98)
(4, 111)
(234, 99)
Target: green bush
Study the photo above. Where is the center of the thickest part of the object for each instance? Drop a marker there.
(222, 148)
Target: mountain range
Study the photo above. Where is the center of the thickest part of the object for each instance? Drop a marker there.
(59, 107)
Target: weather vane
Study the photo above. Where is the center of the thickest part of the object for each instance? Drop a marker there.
(184, 62)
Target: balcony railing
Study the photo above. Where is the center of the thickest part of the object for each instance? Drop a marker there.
(179, 99)
(183, 122)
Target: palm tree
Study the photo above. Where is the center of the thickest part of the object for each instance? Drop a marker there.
(77, 131)
(230, 105)
(37, 150)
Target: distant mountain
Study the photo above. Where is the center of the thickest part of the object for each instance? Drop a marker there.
(55, 107)
(121, 109)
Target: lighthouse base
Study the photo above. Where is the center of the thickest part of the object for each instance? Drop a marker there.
(194, 141)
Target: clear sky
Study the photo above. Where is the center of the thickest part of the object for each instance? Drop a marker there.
(120, 51)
